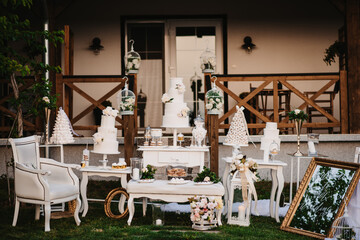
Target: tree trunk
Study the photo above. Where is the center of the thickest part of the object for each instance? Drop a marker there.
(19, 118)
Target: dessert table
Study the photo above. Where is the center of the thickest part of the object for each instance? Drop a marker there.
(102, 172)
(165, 191)
(277, 177)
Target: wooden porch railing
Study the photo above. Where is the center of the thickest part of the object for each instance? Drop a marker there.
(215, 122)
(66, 84)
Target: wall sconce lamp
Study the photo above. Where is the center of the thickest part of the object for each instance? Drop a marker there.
(96, 46)
(248, 45)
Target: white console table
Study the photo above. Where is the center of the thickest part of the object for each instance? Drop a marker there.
(277, 176)
(162, 156)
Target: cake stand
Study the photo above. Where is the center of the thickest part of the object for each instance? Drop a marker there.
(236, 148)
(104, 161)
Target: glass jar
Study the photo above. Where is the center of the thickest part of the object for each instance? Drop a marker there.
(136, 168)
(158, 215)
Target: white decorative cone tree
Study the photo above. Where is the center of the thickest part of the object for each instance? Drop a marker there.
(237, 134)
(62, 133)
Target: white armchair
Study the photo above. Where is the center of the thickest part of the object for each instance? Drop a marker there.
(42, 181)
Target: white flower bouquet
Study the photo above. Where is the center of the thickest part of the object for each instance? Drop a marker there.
(98, 138)
(127, 104)
(184, 112)
(208, 64)
(109, 111)
(203, 208)
(133, 64)
(214, 102)
(180, 87)
(166, 99)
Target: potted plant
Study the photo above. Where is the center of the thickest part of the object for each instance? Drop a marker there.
(206, 177)
(148, 173)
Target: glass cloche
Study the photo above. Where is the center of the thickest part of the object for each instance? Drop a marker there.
(126, 100)
(132, 60)
(208, 61)
(214, 100)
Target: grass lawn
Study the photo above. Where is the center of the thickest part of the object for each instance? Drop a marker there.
(96, 225)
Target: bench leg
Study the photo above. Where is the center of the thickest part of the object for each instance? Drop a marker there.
(131, 209)
(144, 206)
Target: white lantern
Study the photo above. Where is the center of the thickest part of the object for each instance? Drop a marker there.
(242, 218)
(208, 61)
(132, 60)
(214, 100)
(343, 227)
(126, 100)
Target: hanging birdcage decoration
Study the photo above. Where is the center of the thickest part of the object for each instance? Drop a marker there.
(343, 227)
(208, 61)
(214, 100)
(132, 60)
(126, 100)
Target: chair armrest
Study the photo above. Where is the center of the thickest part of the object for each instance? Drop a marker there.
(61, 172)
(31, 183)
(32, 170)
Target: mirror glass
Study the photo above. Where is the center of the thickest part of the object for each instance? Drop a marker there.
(322, 199)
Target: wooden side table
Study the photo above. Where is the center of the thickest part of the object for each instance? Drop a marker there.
(277, 177)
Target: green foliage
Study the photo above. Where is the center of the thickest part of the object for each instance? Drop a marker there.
(148, 172)
(298, 115)
(335, 49)
(206, 173)
(21, 54)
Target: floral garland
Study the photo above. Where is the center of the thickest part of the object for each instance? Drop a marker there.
(203, 207)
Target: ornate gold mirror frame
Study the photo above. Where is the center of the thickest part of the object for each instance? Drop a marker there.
(305, 183)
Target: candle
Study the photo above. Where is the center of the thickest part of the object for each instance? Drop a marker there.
(311, 147)
(136, 174)
(241, 213)
(158, 222)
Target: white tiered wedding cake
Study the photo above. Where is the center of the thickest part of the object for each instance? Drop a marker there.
(105, 139)
(176, 110)
(271, 134)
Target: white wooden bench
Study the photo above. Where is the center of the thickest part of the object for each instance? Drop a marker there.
(162, 190)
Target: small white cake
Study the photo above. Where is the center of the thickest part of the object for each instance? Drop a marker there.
(176, 110)
(105, 138)
(271, 133)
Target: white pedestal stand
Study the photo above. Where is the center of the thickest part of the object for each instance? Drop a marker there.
(236, 148)
(104, 161)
